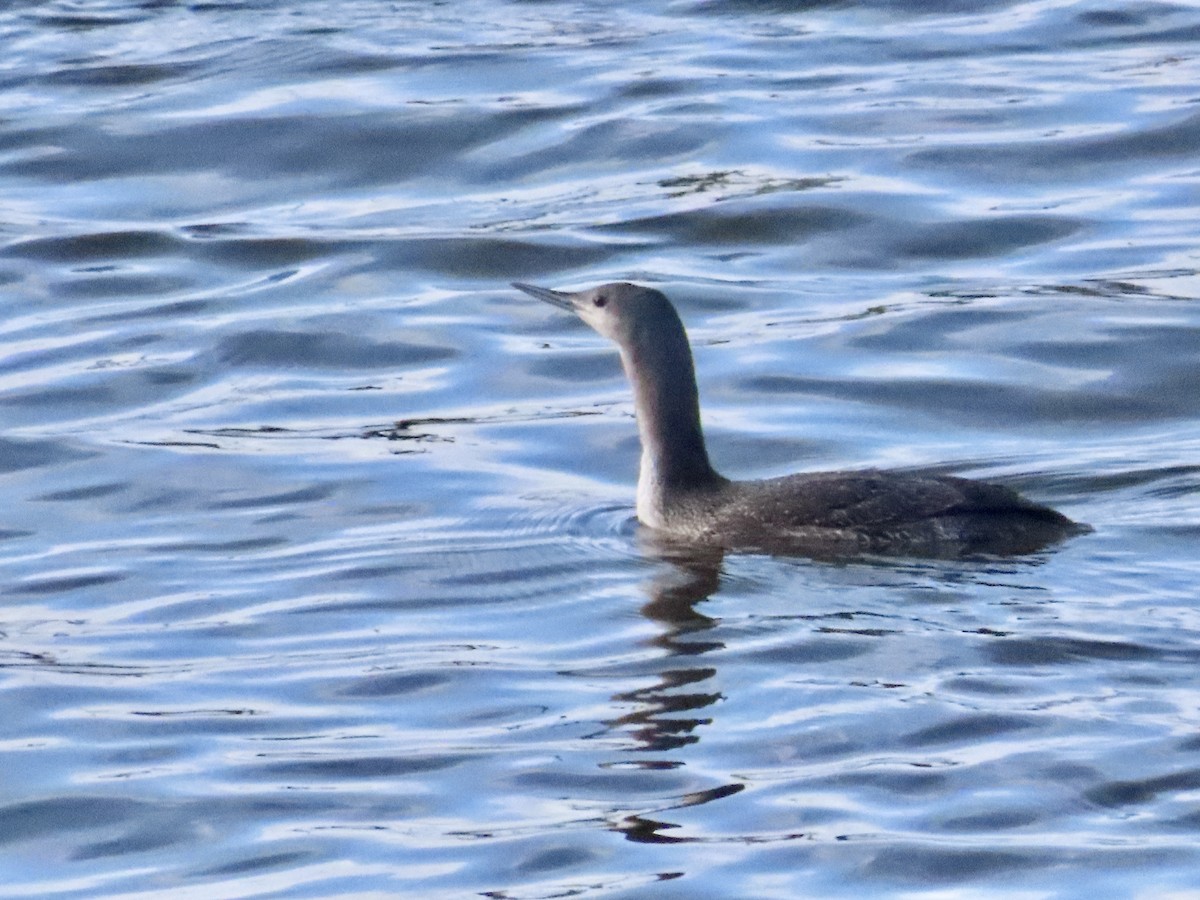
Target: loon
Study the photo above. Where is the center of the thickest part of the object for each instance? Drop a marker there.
(681, 496)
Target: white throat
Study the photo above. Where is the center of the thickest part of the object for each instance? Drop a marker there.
(649, 492)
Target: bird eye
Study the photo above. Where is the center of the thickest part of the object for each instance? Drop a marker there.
(599, 300)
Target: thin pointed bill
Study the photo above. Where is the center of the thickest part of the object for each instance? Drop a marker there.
(557, 298)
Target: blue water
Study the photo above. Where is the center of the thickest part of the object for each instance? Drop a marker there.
(320, 576)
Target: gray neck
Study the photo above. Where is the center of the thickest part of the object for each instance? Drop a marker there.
(674, 459)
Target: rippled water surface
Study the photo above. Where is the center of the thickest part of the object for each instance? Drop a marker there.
(320, 576)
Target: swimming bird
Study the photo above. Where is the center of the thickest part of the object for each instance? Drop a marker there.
(871, 511)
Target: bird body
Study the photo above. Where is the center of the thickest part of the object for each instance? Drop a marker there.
(682, 496)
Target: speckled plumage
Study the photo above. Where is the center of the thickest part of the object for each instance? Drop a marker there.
(683, 497)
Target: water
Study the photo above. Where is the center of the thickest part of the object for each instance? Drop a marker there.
(319, 574)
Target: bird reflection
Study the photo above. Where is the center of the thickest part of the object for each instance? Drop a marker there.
(642, 830)
(667, 715)
(690, 577)
(659, 721)
(656, 724)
